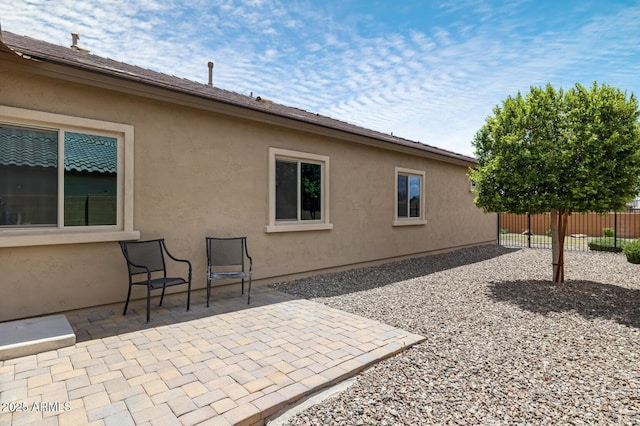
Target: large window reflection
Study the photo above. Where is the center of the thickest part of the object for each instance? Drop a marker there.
(29, 178)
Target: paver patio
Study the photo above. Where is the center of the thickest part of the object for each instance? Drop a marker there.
(232, 363)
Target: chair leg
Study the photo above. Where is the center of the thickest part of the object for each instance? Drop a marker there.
(249, 291)
(188, 295)
(148, 303)
(242, 286)
(127, 303)
(208, 290)
(164, 287)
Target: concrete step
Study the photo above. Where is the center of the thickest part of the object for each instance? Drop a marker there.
(34, 335)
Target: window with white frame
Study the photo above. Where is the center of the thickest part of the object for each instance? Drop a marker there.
(409, 197)
(63, 174)
(298, 191)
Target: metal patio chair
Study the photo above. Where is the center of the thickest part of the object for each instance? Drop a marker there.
(147, 267)
(228, 258)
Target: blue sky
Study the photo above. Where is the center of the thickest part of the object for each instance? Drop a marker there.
(429, 71)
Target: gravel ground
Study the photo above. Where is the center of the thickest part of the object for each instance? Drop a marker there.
(504, 345)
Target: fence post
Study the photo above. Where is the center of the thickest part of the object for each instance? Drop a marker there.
(615, 230)
(529, 230)
(499, 229)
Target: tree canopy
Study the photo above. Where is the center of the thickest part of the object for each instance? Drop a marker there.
(577, 150)
(560, 151)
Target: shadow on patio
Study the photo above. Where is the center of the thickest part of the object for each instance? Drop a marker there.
(107, 320)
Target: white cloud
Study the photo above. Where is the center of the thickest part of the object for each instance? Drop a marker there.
(435, 86)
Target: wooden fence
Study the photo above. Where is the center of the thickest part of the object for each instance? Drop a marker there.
(624, 225)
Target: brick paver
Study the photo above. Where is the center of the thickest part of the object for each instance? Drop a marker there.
(228, 364)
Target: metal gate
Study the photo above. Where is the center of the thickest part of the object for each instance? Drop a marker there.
(608, 230)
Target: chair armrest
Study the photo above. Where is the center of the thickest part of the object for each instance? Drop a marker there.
(166, 250)
(176, 259)
(180, 260)
(138, 266)
(139, 273)
(246, 252)
(183, 261)
(130, 263)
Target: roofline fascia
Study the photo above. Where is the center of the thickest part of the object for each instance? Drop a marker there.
(131, 86)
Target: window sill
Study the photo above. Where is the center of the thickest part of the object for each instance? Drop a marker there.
(15, 238)
(409, 222)
(298, 227)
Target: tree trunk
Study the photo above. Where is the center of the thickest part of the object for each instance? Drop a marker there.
(559, 220)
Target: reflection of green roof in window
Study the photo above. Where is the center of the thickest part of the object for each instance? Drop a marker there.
(38, 148)
(90, 153)
(25, 147)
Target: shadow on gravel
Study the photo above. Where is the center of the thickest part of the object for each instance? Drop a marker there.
(590, 299)
(354, 280)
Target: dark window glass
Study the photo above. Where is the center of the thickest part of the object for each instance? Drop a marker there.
(28, 177)
(402, 195)
(310, 191)
(286, 190)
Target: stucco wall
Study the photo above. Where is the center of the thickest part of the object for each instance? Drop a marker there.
(199, 173)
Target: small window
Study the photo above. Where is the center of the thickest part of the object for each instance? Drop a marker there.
(409, 197)
(62, 175)
(298, 189)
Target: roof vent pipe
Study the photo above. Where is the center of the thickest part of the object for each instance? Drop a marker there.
(210, 73)
(74, 40)
(74, 43)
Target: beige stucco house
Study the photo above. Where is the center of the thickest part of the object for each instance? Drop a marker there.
(93, 151)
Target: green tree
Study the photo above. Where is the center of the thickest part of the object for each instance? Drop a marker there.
(559, 151)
